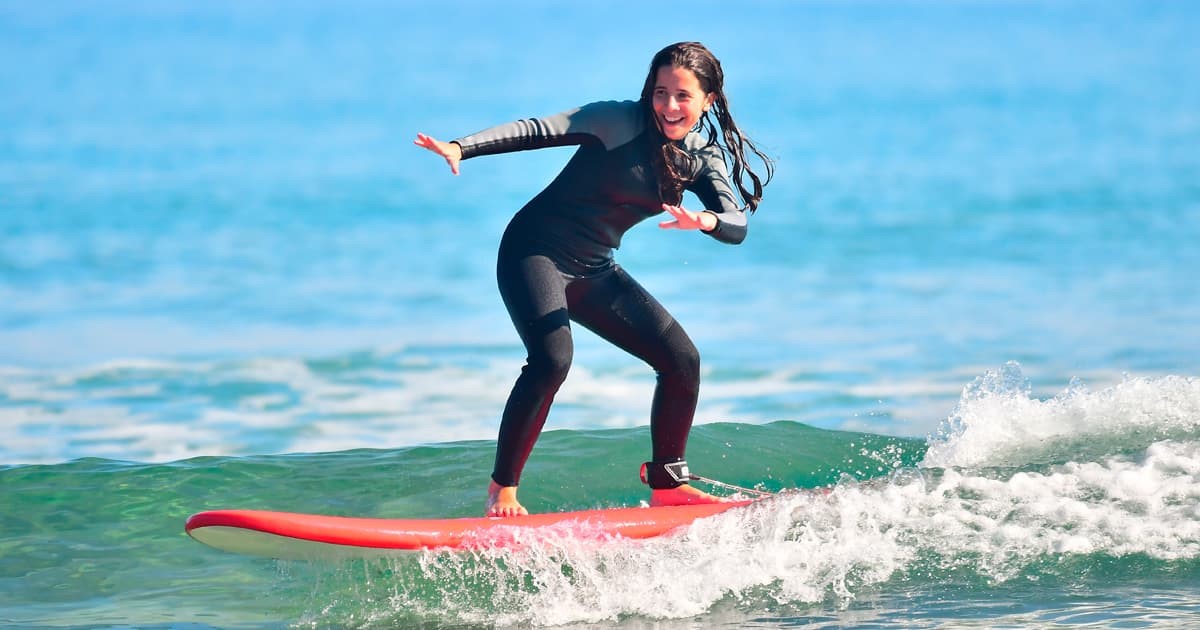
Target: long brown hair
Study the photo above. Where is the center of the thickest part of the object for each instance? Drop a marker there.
(667, 160)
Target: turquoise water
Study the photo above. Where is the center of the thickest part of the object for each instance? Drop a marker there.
(968, 305)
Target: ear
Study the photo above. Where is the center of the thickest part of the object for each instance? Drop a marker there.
(708, 100)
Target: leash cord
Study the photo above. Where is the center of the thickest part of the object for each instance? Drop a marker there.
(729, 486)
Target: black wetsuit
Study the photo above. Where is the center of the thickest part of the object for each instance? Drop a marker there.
(556, 264)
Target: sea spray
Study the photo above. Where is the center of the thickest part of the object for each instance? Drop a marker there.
(1122, 500)
(943, 530)
(998, 423)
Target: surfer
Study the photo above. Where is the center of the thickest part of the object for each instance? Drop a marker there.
(555, 263)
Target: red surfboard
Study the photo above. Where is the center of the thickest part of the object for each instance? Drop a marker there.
(287, 535)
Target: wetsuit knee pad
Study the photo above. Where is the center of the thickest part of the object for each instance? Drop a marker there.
(665, 475)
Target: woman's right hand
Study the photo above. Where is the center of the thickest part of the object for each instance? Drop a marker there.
(449, 150)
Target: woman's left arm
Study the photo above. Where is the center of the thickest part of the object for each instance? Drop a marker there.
(722, 218)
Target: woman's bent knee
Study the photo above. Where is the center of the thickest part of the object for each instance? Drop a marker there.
(548, 371)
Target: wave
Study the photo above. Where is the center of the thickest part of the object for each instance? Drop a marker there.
(998, 423)
(881, 533)
(1014, 497)
(1100, 523)
(1085, 488)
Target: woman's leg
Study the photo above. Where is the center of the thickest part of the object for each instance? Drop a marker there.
(534, 293)
(618, 309)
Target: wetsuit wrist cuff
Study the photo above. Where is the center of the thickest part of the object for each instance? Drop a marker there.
(716, 226)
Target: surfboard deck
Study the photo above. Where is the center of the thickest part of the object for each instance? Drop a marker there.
(291, 536)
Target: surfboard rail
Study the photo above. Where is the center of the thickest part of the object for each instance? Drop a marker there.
(290, 535)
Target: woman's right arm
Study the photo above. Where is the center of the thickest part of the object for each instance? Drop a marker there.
(610, 122)
(523, 135)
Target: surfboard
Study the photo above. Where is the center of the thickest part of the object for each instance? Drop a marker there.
(293, 536)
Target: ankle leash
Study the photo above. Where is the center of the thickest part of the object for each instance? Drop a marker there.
(667, 475)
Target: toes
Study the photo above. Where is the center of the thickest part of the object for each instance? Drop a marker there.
(507, 511)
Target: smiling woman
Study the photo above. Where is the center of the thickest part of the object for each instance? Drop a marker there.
(555, 266)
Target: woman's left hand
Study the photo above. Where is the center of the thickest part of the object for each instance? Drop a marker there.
(688, 220)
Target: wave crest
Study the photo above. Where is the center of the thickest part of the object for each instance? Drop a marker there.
(997, 423)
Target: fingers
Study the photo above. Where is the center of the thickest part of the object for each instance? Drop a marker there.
(425, 141)
(675, 211)
(684, 220)
(444, 149)
(437, 146)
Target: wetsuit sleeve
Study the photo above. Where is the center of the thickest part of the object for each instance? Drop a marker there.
(610, 122)
(712, 187)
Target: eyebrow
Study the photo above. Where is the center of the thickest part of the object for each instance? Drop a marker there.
(659, 86)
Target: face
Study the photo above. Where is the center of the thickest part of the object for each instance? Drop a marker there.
(679, 101)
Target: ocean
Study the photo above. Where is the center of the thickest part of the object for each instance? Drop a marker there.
(967, 307)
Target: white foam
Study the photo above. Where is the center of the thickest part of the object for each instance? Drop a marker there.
(998, 423)
(813, 548)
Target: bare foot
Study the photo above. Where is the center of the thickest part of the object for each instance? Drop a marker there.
(502, 501)
(683, 495)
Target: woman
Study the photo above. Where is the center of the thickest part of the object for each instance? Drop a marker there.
(555, 264)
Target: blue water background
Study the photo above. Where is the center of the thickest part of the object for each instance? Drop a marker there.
(216, 238)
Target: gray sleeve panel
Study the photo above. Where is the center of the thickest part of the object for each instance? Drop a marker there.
(612, 123)
(712, 187)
